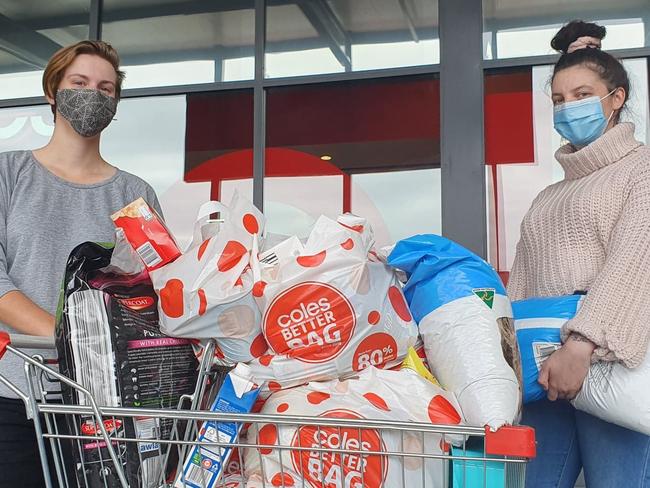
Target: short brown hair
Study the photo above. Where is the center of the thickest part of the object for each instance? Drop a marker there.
(64, 57)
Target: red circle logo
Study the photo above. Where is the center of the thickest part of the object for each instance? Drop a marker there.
(311, 322)
(375, 350)
(322, 469)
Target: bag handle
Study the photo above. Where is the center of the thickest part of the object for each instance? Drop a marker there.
(207, 209)
(255, 260)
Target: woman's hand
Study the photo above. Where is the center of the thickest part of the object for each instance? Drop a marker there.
(563, 373)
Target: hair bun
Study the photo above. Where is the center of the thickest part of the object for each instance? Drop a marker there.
(573, 31)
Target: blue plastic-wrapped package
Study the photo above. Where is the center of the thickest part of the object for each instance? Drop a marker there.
(465, 321)
(538, 322)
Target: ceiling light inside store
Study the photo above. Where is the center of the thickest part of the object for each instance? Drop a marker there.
(326, 157)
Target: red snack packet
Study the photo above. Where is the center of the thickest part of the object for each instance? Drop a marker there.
(147, 233)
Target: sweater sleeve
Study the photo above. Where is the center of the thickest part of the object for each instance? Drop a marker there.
(517, 282)
(615, 314)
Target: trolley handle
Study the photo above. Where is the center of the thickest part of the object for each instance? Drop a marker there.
(517, 441)
(22, 341)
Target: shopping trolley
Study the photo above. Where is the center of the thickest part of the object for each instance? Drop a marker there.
(468, 456)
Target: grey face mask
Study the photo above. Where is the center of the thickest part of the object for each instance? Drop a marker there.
(89, 111)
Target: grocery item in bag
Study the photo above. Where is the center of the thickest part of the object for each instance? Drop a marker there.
(376, 395)
(124, 259)
(330, 309)
(109, 341)
(414, 362)
(611, 391)
(465, 321)
(207, 292)
(538, 322)
(147, 233)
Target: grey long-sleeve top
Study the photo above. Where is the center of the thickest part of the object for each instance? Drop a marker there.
(42, 218)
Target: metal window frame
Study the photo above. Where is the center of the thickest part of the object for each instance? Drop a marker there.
(462, 152)
(462, 155)
(259, 106)
(95, 20)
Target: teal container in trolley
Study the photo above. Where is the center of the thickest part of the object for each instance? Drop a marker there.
(476, 474)
(509, 448)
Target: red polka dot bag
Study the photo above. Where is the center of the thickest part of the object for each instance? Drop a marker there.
(207, 292)
(374, 395)
(330, 307)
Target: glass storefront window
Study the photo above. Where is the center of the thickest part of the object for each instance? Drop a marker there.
(307, 38)
(24, 128)
(30, 32)
(157, 155)
(163, 43)
(368, 147)
(190, 149)
(519, 29)
(218, 147)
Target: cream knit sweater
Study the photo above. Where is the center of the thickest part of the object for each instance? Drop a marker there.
(591, 232)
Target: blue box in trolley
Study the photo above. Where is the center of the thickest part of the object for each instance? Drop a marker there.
(206, 464)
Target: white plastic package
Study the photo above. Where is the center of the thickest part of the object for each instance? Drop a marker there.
(465, 322)
(618, 394)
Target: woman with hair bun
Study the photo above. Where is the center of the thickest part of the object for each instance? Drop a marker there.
(589, 233)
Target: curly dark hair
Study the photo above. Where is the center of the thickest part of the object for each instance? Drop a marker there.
(610, 69)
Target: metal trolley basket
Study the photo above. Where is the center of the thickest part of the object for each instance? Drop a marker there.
(478, 457)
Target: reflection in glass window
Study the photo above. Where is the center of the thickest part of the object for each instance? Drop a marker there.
(167, 43)
(168, 74)
(369, 147)
(293, 203)
(296, 63)
(238, 69)
(537, 41)
(625, 34)
(32, 31)
(489, 46)
(395, 54)
(348, 35)
(526, 28)
(21, 84)
(403, 202)
(157, 155)
(525, 41)
(25, 128)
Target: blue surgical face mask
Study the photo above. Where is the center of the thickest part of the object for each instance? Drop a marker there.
(581, 122)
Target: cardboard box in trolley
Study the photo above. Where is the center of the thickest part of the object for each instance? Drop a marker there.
(206, 464)
(147, 233)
